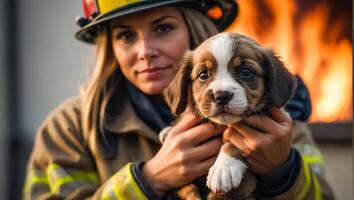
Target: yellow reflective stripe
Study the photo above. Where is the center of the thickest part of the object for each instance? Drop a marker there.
(111, 191)
(108, 193)
(77, 176)
(306, 187)
(105, 194)
(71, 177)
(317, 188)
(105, 6)
(123, 186)
(310, 153)
(54, 187)
(33, 179)
(137, 189)
(312, 159)
(315, 158)
(50, 171)
(115, 191)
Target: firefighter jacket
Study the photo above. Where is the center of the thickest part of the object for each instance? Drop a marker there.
(63, 166)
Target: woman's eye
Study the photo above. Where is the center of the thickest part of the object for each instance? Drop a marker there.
(125, 36)
(163, 28)
(245, 73)
(203, 75)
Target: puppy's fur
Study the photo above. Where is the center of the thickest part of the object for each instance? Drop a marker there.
(226, 78)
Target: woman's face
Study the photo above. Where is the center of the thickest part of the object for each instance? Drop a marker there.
(148, 47)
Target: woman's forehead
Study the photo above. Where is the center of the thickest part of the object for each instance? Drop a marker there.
(148, 16)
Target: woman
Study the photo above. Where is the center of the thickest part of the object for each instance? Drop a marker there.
(103, 144)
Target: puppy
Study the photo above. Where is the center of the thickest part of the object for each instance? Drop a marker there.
(226, 78)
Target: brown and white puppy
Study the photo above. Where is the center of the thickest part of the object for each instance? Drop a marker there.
(226, 78)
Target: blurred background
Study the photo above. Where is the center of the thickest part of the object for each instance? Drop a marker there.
(42, 64)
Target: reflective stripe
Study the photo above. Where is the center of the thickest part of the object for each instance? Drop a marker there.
(310, 152)
(306, 187)
(137, 189)
(317, 189)
(105, 6)
(114, 189)
(33, 178)
(75, 177)
(123, 186)
(108, 193)
(58, 177)
(311, 156)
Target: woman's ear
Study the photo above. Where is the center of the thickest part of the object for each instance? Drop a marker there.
(176, 94)
(280, 82)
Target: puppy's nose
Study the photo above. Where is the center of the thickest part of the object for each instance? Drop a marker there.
(223, 98)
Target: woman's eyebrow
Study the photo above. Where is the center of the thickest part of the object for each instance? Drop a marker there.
(158, 20)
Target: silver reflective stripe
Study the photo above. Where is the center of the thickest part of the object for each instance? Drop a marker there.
(108, 192)
(123, 186)
(57, 180)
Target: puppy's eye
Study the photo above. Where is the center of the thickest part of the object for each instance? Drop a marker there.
(245, 73)
(203, 75)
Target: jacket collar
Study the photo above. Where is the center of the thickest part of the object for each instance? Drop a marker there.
(121, 118)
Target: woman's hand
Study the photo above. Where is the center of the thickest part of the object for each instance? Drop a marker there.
(265, 141)
(186, 154)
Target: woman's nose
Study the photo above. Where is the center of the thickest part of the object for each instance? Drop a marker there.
(147, 50)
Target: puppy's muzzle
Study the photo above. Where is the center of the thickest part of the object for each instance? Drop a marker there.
(222, 98)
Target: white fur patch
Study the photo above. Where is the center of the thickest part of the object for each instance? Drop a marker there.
(226, 173)
(221, 47)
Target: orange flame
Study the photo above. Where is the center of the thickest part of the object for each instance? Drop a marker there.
(310, 49)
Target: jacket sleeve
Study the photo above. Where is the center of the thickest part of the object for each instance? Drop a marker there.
(62, 167)
(310, 183)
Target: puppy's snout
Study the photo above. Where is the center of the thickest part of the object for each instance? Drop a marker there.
(223, 98)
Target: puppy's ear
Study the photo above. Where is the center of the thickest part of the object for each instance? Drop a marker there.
(176, 94)
(280, 82)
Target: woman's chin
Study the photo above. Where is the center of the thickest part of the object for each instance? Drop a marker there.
(153, 88)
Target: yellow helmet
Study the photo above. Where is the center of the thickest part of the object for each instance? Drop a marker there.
(97, 12)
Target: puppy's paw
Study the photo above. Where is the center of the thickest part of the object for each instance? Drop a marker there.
(163, 133)
(225, 174)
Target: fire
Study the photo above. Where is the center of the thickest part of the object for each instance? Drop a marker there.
(310, 46)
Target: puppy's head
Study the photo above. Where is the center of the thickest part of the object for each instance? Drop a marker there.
(228, 77)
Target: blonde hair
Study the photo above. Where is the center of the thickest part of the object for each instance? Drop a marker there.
(106, 77)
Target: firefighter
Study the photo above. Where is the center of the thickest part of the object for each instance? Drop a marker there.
(103, 143)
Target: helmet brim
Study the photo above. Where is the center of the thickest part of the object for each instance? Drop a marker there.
(88, 32)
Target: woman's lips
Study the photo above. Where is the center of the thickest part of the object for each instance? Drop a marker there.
(152, 72)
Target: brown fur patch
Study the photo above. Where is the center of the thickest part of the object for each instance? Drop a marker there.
(204, 61)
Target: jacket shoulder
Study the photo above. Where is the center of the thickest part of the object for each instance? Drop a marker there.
(67, 111)
(62, 126)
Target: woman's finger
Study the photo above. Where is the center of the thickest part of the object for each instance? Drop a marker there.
(280, 115)
(203, 167)
(188, 121)
(203, 132)
(247, 131)
(207, 149)
(262, 123)
(236, 139)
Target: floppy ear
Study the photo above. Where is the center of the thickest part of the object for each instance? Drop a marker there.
(176, 94)
(280, 82)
